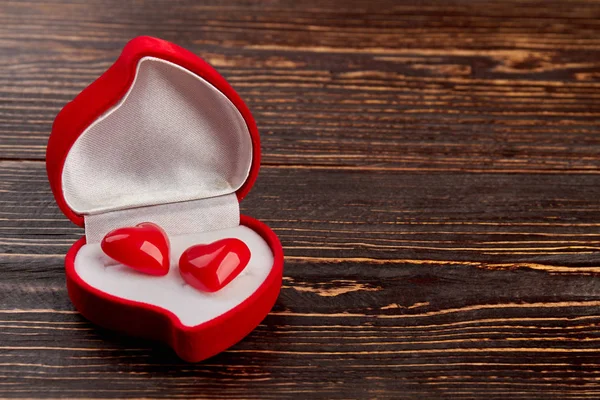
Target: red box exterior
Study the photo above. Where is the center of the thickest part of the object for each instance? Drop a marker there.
(190, 343)
(135, 318)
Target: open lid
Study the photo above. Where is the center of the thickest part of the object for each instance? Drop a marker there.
(159, 126)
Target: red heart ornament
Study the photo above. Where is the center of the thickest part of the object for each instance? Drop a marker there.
(144, 247)
(210, 267)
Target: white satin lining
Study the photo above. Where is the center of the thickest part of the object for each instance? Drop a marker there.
(173, 137)
(173, 151)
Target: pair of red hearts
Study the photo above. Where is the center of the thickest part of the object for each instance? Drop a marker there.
(207, 267)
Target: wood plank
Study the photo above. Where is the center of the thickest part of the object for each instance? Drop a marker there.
(431, 170)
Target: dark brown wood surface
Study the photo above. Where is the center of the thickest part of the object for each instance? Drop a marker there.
(432, 170)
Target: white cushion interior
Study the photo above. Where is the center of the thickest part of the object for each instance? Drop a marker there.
(170, 292)
(173, 151)
(173, 137)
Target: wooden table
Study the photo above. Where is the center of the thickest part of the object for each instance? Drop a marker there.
(432, 171)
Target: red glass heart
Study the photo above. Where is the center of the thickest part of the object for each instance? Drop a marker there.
(144, 247)
(210, 267)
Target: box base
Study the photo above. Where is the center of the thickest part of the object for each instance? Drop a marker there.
(191, 343)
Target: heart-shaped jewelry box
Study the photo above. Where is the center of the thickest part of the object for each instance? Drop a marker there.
(161, 137)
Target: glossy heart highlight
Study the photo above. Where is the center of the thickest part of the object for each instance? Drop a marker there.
(210, 267)
(144, 247)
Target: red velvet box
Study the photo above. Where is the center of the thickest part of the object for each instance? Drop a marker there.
(161, 137)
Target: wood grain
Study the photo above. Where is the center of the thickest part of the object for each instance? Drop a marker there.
(432, 171)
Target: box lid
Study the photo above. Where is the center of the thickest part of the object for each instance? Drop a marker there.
(159, 126)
